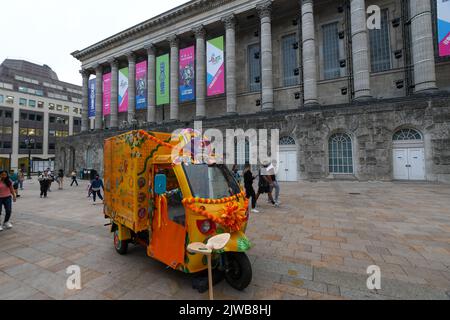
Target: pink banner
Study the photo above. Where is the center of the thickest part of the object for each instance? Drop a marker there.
(107, 94)
(444, 47)
(187, 74)
(217, 85)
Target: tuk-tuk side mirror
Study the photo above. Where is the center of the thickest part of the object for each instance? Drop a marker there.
(160, 184)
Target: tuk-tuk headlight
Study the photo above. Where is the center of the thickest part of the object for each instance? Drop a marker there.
(206, 226)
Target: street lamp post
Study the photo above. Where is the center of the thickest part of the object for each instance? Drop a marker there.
(29, 142)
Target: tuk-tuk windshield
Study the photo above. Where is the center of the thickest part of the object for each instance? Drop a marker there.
(211, 181)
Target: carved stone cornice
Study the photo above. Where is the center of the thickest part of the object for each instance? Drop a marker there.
(113, 62)
(199, 31)
(85, 73)
(173, 40)
(150, 48)
(229, 21)
(98, 68)
(164, 20)
(131, 56)
(264, 9)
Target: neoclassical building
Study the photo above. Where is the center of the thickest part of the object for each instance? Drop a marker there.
(351, 101)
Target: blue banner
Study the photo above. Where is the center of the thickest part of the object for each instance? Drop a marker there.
(91, 101)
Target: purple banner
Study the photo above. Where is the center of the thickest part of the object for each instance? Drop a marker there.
(187, 74)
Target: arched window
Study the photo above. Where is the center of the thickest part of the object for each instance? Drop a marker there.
(407, 135)
(340, 154)
(89, 158)
(287, 141)
(241, 153)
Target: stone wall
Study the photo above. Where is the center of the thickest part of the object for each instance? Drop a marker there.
(371, 126)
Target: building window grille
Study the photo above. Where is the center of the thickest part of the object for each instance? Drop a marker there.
(290, 60)
(254, 63)
(340, 154)
(408, 135)
(380, 48)
(331, 51)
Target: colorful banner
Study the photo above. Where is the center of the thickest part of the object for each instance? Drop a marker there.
(215, 66)
(187, 74)
(141, 85)
(443, 15)
(107, 94)
(91, 102)
(162, 80)
(123, 90)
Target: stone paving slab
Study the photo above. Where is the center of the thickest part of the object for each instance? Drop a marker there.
(316, 246)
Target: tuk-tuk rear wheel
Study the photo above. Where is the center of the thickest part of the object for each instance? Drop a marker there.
(238, 272)
(121, 246)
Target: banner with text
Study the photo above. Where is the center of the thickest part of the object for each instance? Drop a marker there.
(123, 90)
(107, 94)
(215, 66)
(91, 102)
(443, 15)
(187, 74)
(162, 80)
(141, 85)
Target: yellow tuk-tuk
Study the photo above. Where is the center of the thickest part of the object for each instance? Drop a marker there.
(158, 197)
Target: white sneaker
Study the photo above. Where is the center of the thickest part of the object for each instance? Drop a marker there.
(1, 228)
(8, 225)
(255, 211)
(276, 204)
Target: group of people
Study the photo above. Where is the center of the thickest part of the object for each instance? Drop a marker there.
(47, 177)
(267, 184)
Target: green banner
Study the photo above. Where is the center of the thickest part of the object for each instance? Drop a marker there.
(162, 80)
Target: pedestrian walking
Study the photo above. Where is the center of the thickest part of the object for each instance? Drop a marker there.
(7, 196)
(21, 178)
(248, 184)
(96, 187)
(272, 172)
(14, 177)
(74, 178)
(60, 179)
(265, 183)
(45, 181)
(235, 172)
(52, 179)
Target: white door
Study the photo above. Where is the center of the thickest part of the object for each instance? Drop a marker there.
(416, 162)
(401, 164)
(287, 170)
(409, 164)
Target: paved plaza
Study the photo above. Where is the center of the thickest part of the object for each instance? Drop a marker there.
(317, 245)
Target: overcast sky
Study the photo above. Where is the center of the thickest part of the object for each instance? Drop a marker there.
(48, 31)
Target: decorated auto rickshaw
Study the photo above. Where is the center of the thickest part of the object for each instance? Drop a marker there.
(160, 194)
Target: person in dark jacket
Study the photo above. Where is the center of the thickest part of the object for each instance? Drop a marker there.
(96, 187)
(45, 180)
(248, 184)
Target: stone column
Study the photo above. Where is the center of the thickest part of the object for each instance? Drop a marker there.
(70, 130)
(360, 50)
(131, 87)
(309, 53)
(422, 46)
(174, 77)
(99, 97)
(265, 11)
(151, 84)
(114, 118)
(230, 51)
(85, 125)
(200, 72)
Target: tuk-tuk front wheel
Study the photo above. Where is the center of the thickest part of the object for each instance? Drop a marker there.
(238, 271)
(121, 246)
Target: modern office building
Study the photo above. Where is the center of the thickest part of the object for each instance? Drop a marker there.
(36, 109)
(359, 89)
